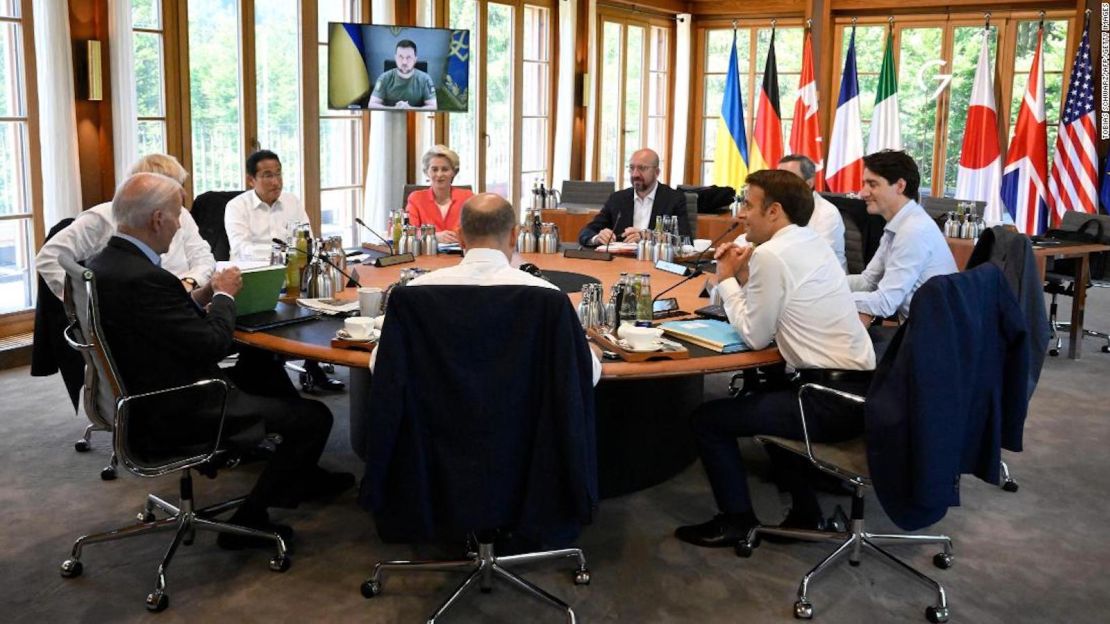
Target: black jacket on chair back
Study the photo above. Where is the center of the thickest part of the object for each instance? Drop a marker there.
(950, 391)
(482, 415)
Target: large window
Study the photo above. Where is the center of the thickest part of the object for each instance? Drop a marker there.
(634, 93)
(504, 140)
(16, 202)
(148, 36)
(752, 45)
(342, 138)
(215, 95)
(277, 67)
(936, 70)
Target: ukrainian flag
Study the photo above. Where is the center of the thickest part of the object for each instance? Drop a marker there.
(456, 82)
(730, 161)
(348, 82)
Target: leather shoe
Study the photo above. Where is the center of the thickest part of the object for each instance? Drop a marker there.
(795, 520)
(232, 541)
(723, 531)
(323, 484)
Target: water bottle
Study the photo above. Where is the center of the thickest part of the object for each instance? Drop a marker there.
(430, 242)
(628, 302)
(643, 302)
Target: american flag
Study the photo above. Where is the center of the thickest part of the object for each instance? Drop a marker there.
(1073, 184)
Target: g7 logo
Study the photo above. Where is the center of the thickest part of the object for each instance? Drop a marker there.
(943, 79)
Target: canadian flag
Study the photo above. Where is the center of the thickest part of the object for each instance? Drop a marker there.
(805, 134)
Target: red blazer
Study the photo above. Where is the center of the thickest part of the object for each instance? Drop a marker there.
(423, 210)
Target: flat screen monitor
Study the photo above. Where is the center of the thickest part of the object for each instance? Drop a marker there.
(397, 68)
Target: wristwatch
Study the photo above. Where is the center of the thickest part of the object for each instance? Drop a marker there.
(190, 283)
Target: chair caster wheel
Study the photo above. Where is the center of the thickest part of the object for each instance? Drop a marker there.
(307, 384)
(1054, 352)
(71, 568)
(145, 516)
(943, 560)
(745, 549)
(936, 614)
(280, 563)
(157, 601)
(1106, 348)
(370, 589)
(1010, 486)
(804, 610)
(108, 473)
(582, 577)
(81, 446)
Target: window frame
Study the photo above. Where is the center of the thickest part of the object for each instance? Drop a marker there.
(22, 321)
(625, 18)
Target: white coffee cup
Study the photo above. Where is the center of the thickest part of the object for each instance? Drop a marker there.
(358, 327)
(370, 301)
(641, 337)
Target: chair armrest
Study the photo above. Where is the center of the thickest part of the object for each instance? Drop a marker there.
(71, 333)
(836, 395)
(219, 390)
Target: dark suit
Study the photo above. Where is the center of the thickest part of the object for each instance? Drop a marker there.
(616, 214)
(160, 339)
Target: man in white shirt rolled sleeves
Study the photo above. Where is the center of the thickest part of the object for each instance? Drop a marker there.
(255, 218)
(912, 248)
(263, 213)
(189, 256)
(786, 286)
(826, 219)
(487, 231)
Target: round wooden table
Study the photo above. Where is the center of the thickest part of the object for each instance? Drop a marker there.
(642, 408)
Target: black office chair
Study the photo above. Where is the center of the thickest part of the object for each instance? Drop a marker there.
(862, 231)
(482, 423)
(958, 443)
(1060, 274)
(146, 453)
(208, 211)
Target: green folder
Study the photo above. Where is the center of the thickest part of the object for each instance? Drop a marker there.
(260, 291)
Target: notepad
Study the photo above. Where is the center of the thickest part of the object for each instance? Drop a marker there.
(260, 290)
(715, 335)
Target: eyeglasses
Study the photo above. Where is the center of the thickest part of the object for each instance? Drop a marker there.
(269, 176)
(641, 168)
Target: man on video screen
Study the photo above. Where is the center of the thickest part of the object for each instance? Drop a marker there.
(404, 86)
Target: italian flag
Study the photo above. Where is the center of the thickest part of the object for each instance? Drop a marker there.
(885, 131)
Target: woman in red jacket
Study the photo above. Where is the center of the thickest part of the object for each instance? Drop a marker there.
(440, 205)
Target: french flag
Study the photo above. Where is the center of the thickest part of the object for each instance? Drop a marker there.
(1024, 179)
(844, 167)
(980, 172)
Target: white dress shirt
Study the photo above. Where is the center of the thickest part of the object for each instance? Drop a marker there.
(188, 256)
(485, 267)
(252, 225)
(798, 295)
(829, 225)
(641, 208)
(911, 251)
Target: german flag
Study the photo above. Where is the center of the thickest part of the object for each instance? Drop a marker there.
(766, 147)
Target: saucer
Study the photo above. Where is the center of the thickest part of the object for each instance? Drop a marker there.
(343, 335)
(627, 347)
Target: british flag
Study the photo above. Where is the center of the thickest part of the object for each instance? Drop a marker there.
(1074, 183)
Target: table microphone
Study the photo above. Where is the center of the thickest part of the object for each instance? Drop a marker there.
(392, 258)
(388, 243)
(697, 263)
(351, 279)
(614, 237)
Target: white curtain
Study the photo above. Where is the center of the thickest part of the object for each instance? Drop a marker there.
(681, 111)
(590, 93)
(61, 188)
(564, 87)
(386, 164)
(125, 128)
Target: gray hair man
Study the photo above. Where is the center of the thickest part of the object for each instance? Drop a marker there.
(826, 219)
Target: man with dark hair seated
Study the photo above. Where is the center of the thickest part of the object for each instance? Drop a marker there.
(163, 337)
(788, 285)
(912, 248)
(404, 86)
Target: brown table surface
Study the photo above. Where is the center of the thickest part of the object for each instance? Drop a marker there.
(311, 340)
(709, 226)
